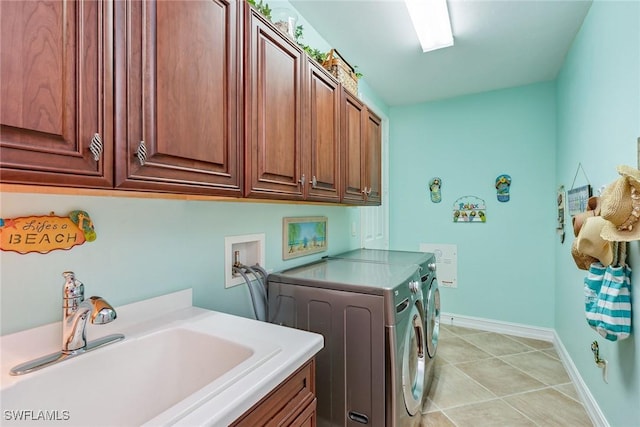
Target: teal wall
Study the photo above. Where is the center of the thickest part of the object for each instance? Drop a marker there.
(149, 247)
(467, 142)
(598, 124)
(514, 268)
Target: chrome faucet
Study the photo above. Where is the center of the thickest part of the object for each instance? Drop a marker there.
(75, 313)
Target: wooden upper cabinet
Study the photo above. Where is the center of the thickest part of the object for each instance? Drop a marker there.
(353, 148)
(56, 93)
(178, 85)
(273, 111)
(373, 151)
(192, 97)
(361, 152)
(321, 145)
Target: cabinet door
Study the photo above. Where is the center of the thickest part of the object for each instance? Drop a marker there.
(322, 142)
(353, 149)
(308, 417)
(373, 168)
(292, 403)
(56, 91)
(178, 83)
(273, 67)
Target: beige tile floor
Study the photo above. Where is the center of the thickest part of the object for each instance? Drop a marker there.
(488, 379)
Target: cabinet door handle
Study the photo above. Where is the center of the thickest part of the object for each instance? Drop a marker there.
(369, 192)
(364, 191)
(96, 147)
(302, 180)
(313, 182)
(141, 153)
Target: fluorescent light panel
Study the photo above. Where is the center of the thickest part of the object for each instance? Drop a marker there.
(431, 21)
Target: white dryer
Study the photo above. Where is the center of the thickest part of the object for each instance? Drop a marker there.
(371, 370)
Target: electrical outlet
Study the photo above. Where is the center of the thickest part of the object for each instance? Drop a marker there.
(247, 250)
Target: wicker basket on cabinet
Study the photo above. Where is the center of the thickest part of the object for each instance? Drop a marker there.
(341, 70)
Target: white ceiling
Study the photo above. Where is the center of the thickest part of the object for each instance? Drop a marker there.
(498, 44)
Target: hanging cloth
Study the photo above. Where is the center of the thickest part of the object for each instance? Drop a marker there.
(608, 296)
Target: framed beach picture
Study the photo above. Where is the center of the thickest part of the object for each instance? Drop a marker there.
(303, 236)
(577, 199)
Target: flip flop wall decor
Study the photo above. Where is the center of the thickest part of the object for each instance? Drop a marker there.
(434, 189)
(503, 184)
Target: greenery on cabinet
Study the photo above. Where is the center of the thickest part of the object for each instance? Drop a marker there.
(316, 54)
(262, 7)
(356, 72)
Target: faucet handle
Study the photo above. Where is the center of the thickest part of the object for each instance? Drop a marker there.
(73, 288)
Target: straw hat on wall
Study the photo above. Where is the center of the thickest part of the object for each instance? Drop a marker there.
(593, 209)
(589, 247)
(620, 207)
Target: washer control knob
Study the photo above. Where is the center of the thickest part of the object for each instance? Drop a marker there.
(414, 286)
(432, 266)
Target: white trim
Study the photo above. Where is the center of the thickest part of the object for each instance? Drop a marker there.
(544, 334)
(587, 399)
(517, 329)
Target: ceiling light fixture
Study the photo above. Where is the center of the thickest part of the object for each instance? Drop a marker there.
(431, 21)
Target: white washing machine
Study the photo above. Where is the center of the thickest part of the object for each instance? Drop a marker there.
(371, 370)
(430, 291)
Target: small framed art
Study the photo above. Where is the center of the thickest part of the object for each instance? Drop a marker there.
(303, 236)
(577, 199)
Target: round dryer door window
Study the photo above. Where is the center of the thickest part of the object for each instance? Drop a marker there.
(433, 319)
(413, 360)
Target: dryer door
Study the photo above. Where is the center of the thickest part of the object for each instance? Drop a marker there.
(413, 360)
(433, 318)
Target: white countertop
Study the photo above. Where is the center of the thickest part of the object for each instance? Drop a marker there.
(279, 351)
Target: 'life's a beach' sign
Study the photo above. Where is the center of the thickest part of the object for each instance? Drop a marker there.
(44, 234)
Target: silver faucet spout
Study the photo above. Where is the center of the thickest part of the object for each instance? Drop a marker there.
(94, 309)
(76, 312)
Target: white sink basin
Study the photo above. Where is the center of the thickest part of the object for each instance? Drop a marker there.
(131, 382)
(192, 366)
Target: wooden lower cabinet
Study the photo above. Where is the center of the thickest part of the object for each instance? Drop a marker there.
(292, 403)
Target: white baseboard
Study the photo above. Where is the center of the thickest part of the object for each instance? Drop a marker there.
(517, 329)
(590, 404)
(539, 333)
